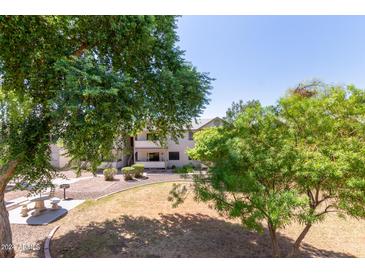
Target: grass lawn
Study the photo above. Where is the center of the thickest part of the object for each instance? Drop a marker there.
(142, 223)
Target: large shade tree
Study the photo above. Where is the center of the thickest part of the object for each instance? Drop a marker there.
(250, 171)
(298, 161)
(87, 80)
(327, 125)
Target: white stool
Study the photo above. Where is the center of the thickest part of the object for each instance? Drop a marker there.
(24, 211)
(54, 202)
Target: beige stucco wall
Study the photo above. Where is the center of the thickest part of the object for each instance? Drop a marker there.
(184, 144)
(181, 146)
(58, 159)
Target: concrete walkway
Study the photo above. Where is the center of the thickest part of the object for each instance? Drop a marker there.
(46, 217)
(60, 181)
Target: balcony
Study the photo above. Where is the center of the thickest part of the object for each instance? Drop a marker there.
(147, 144)
(152, 164)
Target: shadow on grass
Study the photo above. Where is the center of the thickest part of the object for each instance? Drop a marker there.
(172, 235)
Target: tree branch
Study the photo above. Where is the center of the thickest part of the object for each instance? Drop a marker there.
(326, 211)
(81, 49)
(324, 199)
(311, 198)
(7, 173)
(317, 194)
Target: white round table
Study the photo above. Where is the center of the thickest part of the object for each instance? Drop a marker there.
(39, 204)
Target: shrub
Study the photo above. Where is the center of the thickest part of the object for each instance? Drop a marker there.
(139, 168)
(185, 169)
(128, 172)
(109, 174)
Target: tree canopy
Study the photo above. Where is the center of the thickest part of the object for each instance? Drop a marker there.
(88, 80)
(236, 108)
(296, 161)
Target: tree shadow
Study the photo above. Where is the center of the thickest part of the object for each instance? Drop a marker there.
(172, 235)
(114, 180)
(142, 178)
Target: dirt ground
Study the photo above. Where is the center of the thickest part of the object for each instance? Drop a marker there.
(29, 240)
(142, 223)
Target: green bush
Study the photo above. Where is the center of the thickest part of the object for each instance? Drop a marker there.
(139, 168)
(185, 169)
(109, 174)
(128, 172)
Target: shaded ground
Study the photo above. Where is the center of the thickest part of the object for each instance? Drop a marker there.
(125, 226)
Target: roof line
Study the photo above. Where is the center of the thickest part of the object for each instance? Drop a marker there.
(209, 122)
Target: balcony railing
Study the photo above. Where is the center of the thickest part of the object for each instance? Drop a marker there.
(147, 144)
(152, 164)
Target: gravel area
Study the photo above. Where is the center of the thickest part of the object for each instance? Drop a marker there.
(13, 194)
(97, 186)
(29, 240)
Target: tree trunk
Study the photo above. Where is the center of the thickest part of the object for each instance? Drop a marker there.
(6, 242)
(299, 240)
(274, 241)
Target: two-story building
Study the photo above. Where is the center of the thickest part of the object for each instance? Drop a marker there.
(148, 151)
(154, 155)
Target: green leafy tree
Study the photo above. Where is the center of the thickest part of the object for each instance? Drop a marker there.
(250, 171)
(236, 108)
(297, 161)
(327, 127)
(87, 81)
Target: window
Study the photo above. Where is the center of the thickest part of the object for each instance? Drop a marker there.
(191, 135)
(174, 156)
(153, 156)
(136, 156)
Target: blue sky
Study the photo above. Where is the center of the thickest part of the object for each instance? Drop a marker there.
(260, 57)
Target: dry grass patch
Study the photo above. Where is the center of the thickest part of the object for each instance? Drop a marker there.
(142, 223)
